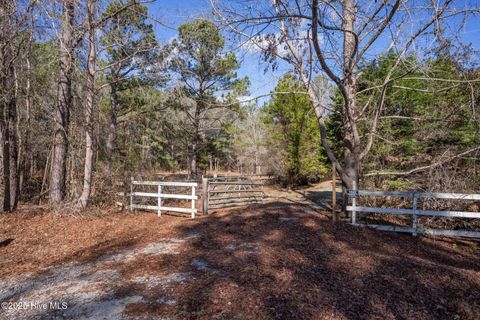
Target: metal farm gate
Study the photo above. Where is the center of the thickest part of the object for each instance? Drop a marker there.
(226, 192)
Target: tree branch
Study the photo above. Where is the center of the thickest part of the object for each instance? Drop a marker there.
(433, 165)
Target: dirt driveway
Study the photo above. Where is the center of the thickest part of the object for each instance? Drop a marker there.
(275, 261)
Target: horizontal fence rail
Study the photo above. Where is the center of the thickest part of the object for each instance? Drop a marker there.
(415, 212)
(160, 195)
(243, 183)
(165, 183)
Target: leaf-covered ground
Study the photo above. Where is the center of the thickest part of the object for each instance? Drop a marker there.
(275, 261)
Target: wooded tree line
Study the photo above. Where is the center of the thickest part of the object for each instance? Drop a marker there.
(90, 95)
(428, 138)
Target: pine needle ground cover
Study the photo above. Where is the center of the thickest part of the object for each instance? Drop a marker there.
(272, 261)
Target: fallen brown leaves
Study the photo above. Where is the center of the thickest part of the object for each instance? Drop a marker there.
(274, 261)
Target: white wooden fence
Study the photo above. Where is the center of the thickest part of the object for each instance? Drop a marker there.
(160, 195)
(415, 212)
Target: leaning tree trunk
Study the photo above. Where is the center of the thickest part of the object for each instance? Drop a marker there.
(64, 103)
(89, 107)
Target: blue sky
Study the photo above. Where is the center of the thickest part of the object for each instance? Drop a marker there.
(172, 13)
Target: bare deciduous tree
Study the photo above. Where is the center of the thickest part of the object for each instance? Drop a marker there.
(333, 38)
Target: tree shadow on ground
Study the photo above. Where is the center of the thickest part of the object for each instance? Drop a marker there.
(277, 261)
(323, 198)
(280, 261)
(6, 242)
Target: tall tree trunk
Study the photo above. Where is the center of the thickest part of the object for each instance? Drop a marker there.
(8, 106)
(351, 145)
(89, 107)
(194, 160)
(347, 85)
(22, 155)
(64, 103)
(195, 143)
(351, 156)
(5, 154)
(12, 134)
(112, 126)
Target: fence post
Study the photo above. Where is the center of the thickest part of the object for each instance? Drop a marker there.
(204, 195)
(414, 215)
(354, 202)
(193, 203)
(159, 203)
(131, 193)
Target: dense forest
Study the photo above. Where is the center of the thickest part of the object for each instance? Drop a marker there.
(91, 96)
